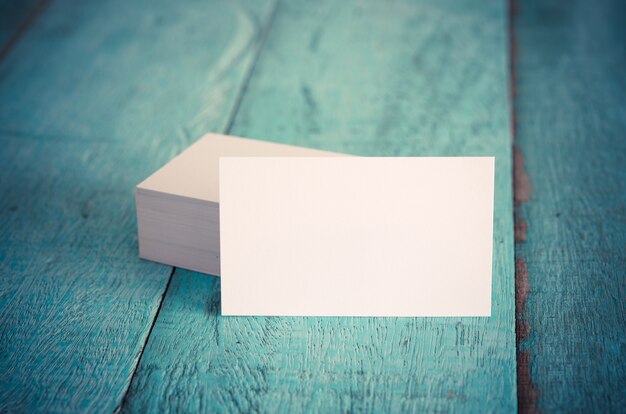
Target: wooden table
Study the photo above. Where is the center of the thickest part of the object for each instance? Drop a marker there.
(94, 96)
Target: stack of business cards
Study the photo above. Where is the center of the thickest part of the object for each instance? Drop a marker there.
(301, 232)
(178, 206)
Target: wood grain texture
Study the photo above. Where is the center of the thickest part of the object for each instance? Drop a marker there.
(400, 78)
(95, 97)
(571, 129)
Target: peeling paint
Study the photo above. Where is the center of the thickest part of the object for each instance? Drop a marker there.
(522, 330)
(522, 287)
(526, 391)
(523, 188)
(520, 230)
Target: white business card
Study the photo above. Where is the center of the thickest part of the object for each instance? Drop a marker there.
(356, 236)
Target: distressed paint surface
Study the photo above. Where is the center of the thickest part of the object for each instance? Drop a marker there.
(571, 260)
(95, 96)
(406, 78)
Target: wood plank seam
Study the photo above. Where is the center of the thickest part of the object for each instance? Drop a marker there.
(143, 347)
(246, 81)
(526, 392)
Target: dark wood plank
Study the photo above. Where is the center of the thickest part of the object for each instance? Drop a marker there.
(95, 97)
(399, 78)
(571, 214)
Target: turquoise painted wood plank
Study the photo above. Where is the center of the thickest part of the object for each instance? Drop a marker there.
(75, 302)
(571, 193)
(95, 97)
(156, 69)
(400, 78)
(15, 19)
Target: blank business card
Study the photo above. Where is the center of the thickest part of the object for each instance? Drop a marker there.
(363, 236)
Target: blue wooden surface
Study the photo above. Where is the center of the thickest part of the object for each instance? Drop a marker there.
(571, 253)
(94, 97)
(404, 78)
